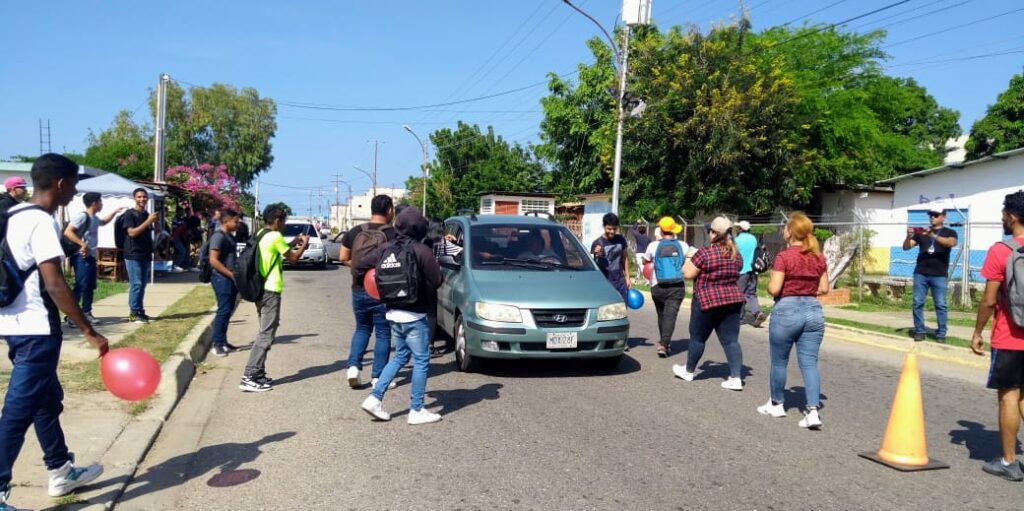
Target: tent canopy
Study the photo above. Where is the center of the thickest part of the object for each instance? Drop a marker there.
(113, 184)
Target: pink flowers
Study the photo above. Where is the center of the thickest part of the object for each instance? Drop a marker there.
(208, 187)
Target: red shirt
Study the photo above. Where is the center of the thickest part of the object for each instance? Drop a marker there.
(716, 285)
(1005, 334)
(803, 271)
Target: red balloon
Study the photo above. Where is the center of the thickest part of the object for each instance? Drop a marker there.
(370, 284)
(130, 373)
(648, 270)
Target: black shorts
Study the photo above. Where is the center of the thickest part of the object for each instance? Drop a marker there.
(1007, 370)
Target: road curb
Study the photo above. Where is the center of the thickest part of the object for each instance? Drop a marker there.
(131, 445)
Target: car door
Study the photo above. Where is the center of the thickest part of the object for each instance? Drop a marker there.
(450, 292)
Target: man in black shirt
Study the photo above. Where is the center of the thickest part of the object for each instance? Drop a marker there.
(932, 270)
(138, 253)
(223, 256)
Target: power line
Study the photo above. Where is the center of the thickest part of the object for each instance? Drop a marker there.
(954, 27)
(923, 15)
(1009, 51)
(839, 23)
(812, 13)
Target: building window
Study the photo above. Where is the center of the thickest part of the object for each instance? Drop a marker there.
(531, 205)
(486, 205)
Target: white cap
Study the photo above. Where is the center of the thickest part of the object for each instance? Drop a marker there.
(936, 207)
(743, 225)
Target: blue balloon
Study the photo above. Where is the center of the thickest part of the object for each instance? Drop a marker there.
(634, 299)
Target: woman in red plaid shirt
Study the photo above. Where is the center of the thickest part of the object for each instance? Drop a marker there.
(717, 302)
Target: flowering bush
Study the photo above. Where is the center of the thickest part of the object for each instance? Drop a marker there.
(208, 187)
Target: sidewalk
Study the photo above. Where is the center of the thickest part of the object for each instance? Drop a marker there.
(92, 421)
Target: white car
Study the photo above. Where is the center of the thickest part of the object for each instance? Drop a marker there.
(315, 253)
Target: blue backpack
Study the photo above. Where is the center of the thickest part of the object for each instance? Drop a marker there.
(668, 262)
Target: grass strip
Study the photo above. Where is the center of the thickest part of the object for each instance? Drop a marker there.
(104, 288)
(898, 332)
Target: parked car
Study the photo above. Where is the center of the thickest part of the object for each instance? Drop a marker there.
(526, 288)
(315, 253)
(332, 245)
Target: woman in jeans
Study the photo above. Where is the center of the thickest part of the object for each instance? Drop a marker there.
(717, 302)
(799, 276)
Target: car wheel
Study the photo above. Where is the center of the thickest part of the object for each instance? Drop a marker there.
(465, 362)
(609, 363)
(321, 265)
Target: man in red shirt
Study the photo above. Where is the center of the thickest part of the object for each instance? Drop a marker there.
(1007, 372)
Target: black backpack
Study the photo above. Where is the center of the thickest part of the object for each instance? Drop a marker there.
(12, 278)
(248, 278)
(398, 274)
(762, 259)
(205, 268)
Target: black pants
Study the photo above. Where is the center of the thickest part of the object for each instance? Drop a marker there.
(666, 302)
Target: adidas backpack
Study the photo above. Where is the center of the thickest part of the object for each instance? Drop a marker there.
(398, 275)
(1013, 296)
(668, 262)
(248, 278)
(12, 278)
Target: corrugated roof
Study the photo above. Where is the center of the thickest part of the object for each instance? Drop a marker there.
(956, 166)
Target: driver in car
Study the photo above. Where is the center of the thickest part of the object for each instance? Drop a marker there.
(535, 249)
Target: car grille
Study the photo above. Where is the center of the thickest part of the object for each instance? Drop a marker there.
(559, 318)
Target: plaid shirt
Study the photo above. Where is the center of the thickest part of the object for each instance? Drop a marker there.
(716, 285)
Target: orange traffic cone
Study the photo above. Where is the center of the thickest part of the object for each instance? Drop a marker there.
(904, 447)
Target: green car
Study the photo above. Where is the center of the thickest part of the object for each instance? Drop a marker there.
(519, 287)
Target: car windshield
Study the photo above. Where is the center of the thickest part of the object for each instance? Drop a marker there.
(291, 230)
(527, 247)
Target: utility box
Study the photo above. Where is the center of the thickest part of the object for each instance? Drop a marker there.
(636, 12)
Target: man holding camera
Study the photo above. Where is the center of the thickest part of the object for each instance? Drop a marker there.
(932, 270)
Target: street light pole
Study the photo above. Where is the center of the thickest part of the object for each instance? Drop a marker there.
(373, 178)
(423, 146)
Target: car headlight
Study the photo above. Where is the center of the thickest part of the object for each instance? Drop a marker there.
(612, 312)
(499, 312)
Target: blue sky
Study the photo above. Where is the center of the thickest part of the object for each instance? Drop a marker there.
(78, 63)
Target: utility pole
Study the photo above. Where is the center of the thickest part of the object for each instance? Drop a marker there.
(256, 208)
(423, 167)
(161, 128)
(44, 137)
(374, 168)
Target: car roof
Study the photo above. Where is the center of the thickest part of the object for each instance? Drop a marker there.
(508, 220)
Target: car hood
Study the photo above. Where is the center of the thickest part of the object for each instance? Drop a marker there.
(544, 289)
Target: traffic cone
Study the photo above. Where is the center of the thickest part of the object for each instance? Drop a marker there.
(904, 446)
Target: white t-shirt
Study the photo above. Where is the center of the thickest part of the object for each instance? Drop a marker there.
(653, 247)
(401, 316)
(33, 237)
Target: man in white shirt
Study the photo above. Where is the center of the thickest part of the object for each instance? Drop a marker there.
(668, 288)
(31, 326)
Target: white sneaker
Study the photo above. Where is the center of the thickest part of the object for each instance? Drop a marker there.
(353, 377)
(373, 383)
(66, 479)
(177, 269)
(681, 372)
(4, 505)
(733, 384)
(811, 420)
(772, 409)
(374, 407)
(422, 416)
(194, 270)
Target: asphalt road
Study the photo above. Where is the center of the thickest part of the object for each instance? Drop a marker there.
(556, 435)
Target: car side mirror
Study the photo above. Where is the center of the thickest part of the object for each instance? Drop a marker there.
(449, 262)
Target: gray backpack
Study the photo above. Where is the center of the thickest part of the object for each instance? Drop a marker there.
(1013, 297)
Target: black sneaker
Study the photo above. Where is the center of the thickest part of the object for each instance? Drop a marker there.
(68, 323)
(137, 318)
(219, 351)
(265, 379)
(940, 340)
(249, 385)
(144, 317)
(918, 337)
(230, 347)
(90, 318)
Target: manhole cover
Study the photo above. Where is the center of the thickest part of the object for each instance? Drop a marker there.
(233, 478)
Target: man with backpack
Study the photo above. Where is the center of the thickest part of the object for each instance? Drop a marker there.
(136, 228)
(746, 243)
(407, 274)
(222, 257)
(668, 287)
(270, 251)
(83, 230)
(32, 294)
(357, 243)
(1004, 296)
(16, 190)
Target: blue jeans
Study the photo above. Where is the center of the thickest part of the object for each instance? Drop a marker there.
(725, 322)
(85, 280)
(796, 320)
(227, 295)
(369, 314)
(181, 256)
(138, 277)
(937, 285)
(34, 397)
(411, 341)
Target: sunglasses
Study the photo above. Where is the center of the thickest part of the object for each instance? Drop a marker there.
(934, 214)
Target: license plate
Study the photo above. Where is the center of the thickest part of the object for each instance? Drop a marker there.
(561, 340)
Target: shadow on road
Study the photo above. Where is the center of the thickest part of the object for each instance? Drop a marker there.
(225, 458)
(289, 339)
(452, 401)
(981, 443)
(556, 368)
(796, 398)
(312, 372)
(710, 370)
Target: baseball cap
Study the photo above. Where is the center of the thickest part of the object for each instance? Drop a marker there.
(743, 225)
(936, 207)
(14, 182)
(721, 225)
(668, 224)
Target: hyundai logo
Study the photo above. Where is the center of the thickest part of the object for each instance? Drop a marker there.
(560, 318)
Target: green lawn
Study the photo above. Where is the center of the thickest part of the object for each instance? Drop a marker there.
(899, 332)
(104, 288)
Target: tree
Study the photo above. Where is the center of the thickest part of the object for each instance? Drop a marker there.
(1002, 128)
(208, 188)
(285, 207)
(125, 148)
(469, 162)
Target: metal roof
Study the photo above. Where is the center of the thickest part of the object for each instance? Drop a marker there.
(518, 194)
(956, 166)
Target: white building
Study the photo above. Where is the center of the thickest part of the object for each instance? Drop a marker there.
(24, 171)
(513, 203)
(360, 205)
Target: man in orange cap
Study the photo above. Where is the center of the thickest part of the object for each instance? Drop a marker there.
(668, 287)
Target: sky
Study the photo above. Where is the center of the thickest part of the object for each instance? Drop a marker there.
(77, 63)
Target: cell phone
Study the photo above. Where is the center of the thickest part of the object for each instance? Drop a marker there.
(919, 230)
